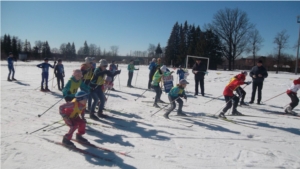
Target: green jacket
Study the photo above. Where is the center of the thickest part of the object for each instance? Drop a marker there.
(175, 91)
(131, 68)
(72, 86)
(157, 77)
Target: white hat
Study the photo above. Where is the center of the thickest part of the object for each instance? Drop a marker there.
(103, 62)
(88, 60)
(163, 68)
(183, 81)
(153, 60)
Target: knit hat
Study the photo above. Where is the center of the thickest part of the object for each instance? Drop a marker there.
(77, 72)
(81, 95)
(10, 53)
(103, 62)
(183, 81)
(244, 72)
(88, 60)
(45, 59)
(259, 61)
(163, 68)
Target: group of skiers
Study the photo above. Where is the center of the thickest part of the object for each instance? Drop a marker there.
(93, 81)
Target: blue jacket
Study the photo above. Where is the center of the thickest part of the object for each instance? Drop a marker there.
(10, 62)
(152, 65)
(45, 67)
(181, 73)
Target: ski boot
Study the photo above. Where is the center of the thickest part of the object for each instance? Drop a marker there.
(181, 114)
(47, 90)
(8, 79)
(243, 104)
(160, 101)
(222, 115)
(14, 79)
(101, 115)
(155, 105)
(166, 115)
(236, 113)
(288, 110)
(251, 102)
(81, 139)
(42, 89)
(68, 143)
(93, 116)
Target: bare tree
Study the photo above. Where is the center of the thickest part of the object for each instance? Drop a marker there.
(93, 49)
(39, 45)
(151, 50)
(54, 50)
(232, 27)
(255, 43)
(114, 50)
(63, 48)
(281, 40)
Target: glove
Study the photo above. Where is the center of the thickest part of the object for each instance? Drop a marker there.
(247, 83)
(54, 62)
(185, 97)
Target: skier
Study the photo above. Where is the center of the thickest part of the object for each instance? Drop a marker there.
(230, 98)
(96, 84)
(240, 91)
(73, 115)
(152, 68)
(175, 94)
(130, 69)
(10, 61)
(73, 84)
(59, 74)
(199, 70)
(155, 83)
(292, 93)
(180, 73)
(258, 74)
(112, 68)
(87, 72)
(45, 73)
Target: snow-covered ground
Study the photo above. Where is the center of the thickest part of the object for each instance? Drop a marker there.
(265, 139)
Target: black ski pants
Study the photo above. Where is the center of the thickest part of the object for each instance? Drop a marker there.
(258, 86)
(294, 99)
(197, 82)
(130, 75)
(60, 82)
(241, 92)
(150, 80)
(231, 100)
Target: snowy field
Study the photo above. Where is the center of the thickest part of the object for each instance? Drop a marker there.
(266, 139)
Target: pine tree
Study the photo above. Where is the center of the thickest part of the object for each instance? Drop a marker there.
(73, 51)
(14, 46)
(158, 50)
(85, 49)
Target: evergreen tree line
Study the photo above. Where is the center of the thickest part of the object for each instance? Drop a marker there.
(190, 40)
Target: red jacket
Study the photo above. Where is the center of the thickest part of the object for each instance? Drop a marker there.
(72, 109)
(234, 83)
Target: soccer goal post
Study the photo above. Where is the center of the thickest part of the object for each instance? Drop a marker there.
(187, 60)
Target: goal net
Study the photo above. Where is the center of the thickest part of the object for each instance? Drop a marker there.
(187, 60)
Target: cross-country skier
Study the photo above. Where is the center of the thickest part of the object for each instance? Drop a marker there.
(96, 84)
(73, 115)
(180, 73)
(10, 62)
(230, 98)
(130, 69)
(87, 72)
(73, 84)
(240, 91)
(59, 74)
(292, 93)
(155, 83)
(45, 73)
(175, 94)
(112, 68)
(152, 68)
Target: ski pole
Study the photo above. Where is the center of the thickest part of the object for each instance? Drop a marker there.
(164, 107)
(53, 75)
(141, 95)
(225, 104)
(44, 127)
(274, 97)
(136, 76)
(50, 107)
(119, 81)
(56, 127)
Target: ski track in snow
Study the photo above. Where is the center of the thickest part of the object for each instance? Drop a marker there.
(152, 142)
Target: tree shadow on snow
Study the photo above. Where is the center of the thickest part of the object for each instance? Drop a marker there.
(120, 113)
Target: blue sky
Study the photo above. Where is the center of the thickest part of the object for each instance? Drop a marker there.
(134, 25)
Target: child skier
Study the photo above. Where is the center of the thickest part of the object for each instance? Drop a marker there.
(45, 73)
(155, 83)
(10, 61)
(180, 73)
(70, 112)
(292, 93)
(152, 68)
(240, 91)
(59, 74)
(73, 84)
(130, 69)
(230, 97)
(175, 94)
(112, 68)
(96, 84)
(87, 73)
